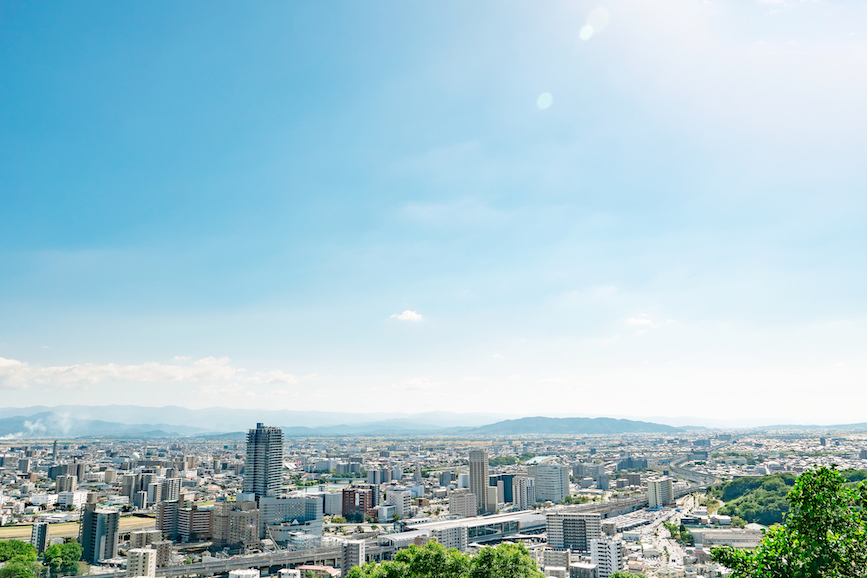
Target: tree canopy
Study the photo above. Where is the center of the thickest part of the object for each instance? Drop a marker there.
(17, 550)
(825, 533)
(63, 558)
(436, 561)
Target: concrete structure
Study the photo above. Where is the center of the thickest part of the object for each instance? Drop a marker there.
(573, 531)
(451, 537)
(250, 573)
(353, 555)
(164, 552)
(281, 516)
(401, 499)
(39, 536)
(660, 492)
(141, 562)
(263, 470)
(235, 524)
(523, 492)
(582, 570)
(479, 478)
(65, 483)
(463, 503)
(609, 556)
(143, 538)
(170, 489)
(552, 481)
(98, 533)
(357, 502)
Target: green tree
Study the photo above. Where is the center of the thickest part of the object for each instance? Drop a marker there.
(17, 568)
(825, 534)
(624, 574)
(435, 561)
(62, 559)
(504, 561)
(17, 550)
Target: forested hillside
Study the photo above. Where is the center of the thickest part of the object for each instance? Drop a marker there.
(763, 500)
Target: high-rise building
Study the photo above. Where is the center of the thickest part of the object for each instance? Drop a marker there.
(552, 481)
(65, 483)
(572, 531)
(141, 562)
(608, 556)
(357, 502)
(506, 481)
(523, 492)
(143, 538)
(39, 534)
(353, 555)
(170, 489)
(401, 499)
(235, 524)
(660, 492)
(263, 471)
(164, 552)
(98, 533)
(479, 478)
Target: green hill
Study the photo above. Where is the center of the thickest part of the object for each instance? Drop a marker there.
(763, 500)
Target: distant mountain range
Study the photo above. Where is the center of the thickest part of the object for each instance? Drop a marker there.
(572, 425)
(133, 421)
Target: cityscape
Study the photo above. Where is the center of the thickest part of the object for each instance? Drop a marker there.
(433, 289)
(266, 504)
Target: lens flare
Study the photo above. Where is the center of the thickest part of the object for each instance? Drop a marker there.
(586, 32)
(545, 100)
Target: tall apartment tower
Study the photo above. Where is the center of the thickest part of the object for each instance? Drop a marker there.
(608, 555)
(523, 492)
(65, 483)
(141, 562)
(568, 531)
(264, 467)
(39, 536)
(660, 492)
(479, 478)
(98, 533)
(353, 555)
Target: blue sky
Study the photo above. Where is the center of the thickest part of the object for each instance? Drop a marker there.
(234, 204)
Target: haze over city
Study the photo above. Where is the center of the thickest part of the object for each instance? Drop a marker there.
(643, 210)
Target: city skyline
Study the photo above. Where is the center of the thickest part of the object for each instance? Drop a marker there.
(598, 209)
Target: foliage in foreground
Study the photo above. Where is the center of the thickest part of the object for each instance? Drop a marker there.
(17, 550)
(825, 534)
(62, 559)
(435, 561)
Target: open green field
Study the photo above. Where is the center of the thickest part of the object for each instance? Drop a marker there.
(70, 529)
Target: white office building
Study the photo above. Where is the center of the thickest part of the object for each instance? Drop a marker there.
(401, 499)
(454, 537)
(608, 555)
(141, 562)
(463, 503)
(552, 482)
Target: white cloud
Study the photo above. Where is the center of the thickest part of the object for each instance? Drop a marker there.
(642, 319)
(16, 374)
(408, 316)
(181, 358)
(496, 356)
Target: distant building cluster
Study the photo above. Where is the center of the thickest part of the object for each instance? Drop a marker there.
(585, 506)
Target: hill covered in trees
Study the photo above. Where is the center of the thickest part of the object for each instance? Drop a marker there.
(764, 500)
